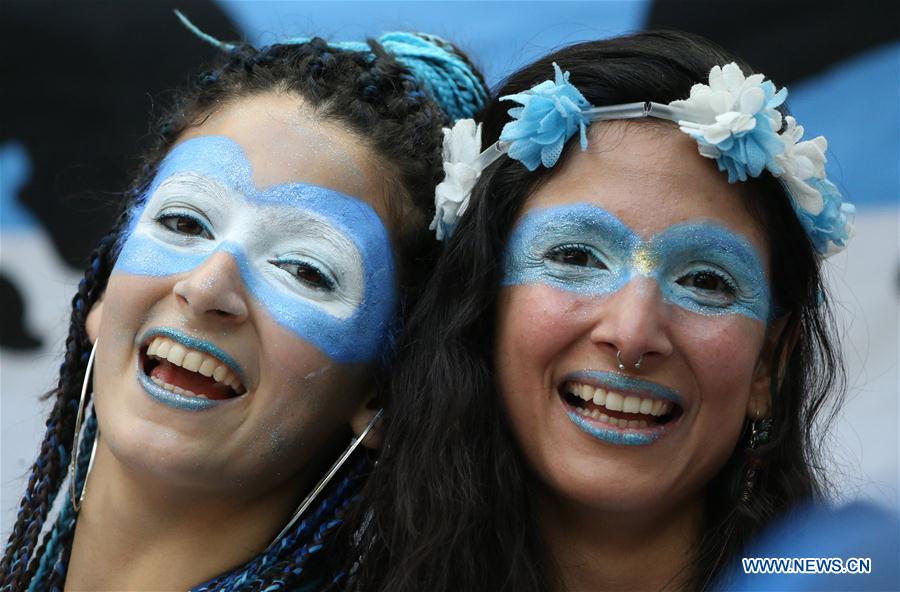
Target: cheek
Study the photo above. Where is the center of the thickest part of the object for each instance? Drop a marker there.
(307, 398)
(537, 322)
(128, 302)
(537, 325)
(722, 353)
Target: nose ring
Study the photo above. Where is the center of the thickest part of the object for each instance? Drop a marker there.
(637, 365)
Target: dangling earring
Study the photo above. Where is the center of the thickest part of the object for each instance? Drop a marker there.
(308, 500)
(760, 432)
(76, 497)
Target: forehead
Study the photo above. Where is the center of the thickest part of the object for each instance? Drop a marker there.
(649, 176)
(284, 141)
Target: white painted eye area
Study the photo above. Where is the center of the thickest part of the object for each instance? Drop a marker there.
(307, 274)
(575, 255)
(710, 286)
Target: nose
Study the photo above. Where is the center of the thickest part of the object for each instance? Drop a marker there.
(631, 326)
(214, 288)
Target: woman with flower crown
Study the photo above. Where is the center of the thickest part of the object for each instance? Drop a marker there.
(612, 378)
(236, 321)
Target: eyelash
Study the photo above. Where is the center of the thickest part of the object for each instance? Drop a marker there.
(164, 218)
(322, 280)
(730, 288)
(558, 253)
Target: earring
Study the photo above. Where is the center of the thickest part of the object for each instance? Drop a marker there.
(637, 365)
(760, 432)
(77, 498)
(308, 500)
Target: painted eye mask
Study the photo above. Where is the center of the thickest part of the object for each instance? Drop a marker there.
(319, 261)
(702, 267)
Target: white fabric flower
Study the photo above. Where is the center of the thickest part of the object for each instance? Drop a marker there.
(734, 120)
(802, 161)
(728, 104)
(462, 146)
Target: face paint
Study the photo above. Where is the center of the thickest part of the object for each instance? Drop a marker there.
(702, 267)
(318, 261)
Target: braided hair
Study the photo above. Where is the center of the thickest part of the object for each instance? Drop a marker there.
(398, 114)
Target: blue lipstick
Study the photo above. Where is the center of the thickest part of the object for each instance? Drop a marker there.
(620, 382)
(173, 399)
(197, 344)
(625, 385)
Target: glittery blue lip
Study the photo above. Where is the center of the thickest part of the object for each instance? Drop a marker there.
(172, 399)
(612, 436)
(620, 382)
(197, 344)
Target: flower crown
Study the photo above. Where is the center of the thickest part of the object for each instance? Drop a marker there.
(733, 119)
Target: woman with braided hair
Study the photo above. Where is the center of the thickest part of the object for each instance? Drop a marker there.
(237, 319)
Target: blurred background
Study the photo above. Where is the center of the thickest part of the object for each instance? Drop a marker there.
(80, 80)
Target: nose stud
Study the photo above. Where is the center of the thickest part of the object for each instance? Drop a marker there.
(637, 365)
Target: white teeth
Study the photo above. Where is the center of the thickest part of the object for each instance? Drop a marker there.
(585, 392)
(614, 401)
(176, 354)
(631, 405)
(164, 348)
(219, 373)
(192, 361)
(604, 417)
(175, 389)
(207, 367)
(598, 396)
(196, 361)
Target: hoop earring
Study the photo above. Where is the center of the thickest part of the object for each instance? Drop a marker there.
(308, 500)
(77, 498)
(637, 365)
(760, 432)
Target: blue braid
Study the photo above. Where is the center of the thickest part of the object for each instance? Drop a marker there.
(325, 517)
(302, 556)
(20, 555)
(57, 539)
(447, 77)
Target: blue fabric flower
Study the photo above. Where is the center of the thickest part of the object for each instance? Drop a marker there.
(830, 229)
(550, 114)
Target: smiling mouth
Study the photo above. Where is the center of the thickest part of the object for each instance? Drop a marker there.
(188, 372)
(618, 410)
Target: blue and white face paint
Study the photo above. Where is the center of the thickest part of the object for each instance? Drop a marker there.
(701, 267)
(319, 261)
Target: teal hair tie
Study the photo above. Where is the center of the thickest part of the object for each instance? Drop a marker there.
(204, 36)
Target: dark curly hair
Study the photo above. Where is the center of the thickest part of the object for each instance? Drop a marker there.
(449, 507)
(395, 114)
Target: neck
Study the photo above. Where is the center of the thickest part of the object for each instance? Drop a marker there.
(136, 534)
(602, 550)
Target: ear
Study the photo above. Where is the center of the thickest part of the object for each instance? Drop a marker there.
(92, 322)
(759, 403)
(361, 419)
